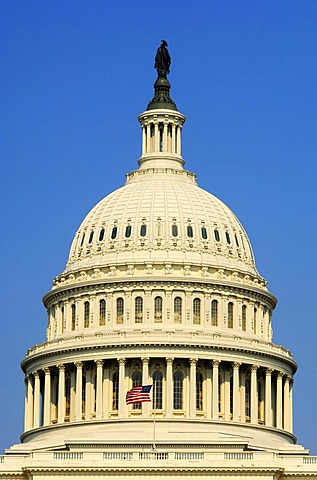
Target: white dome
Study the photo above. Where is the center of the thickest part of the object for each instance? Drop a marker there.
(161, 216)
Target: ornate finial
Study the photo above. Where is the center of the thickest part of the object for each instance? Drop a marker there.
(162, 86)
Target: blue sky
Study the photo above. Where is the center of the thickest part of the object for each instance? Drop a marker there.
(76, 74)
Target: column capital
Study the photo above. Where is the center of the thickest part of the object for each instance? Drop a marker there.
(99, 363)
(36, 374)
(254, 368)
(287, 379)
(268, 372)
(79, 365)
(145, 360)
(236, 365)
(169, 360)
(121, 361)
(193, 361)
(47, 370)
(280, 375)
(61, 367)
(215, 363)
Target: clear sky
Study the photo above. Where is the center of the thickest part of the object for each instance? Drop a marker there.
(75, 75)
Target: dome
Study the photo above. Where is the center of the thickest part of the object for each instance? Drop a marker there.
(161, 217)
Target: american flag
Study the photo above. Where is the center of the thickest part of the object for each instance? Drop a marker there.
(138, 394)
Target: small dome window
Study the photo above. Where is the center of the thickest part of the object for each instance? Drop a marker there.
(128, 230)
(82, 240)
(174, 230)
(101, 234)
(143, 230)
(114, 233)
(228, 238)
(204, 233)
(217, 235)
(190, 232)
(236, 239)
(91, 236)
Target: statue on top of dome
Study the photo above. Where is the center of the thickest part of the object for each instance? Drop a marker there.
(162, 60)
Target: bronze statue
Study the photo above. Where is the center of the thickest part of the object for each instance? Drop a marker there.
(162, 60)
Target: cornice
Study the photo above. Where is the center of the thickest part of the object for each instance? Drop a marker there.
(208, 285)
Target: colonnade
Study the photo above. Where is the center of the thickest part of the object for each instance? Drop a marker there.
(187, 387)
(161, 133)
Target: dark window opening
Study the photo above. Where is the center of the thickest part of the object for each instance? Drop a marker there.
(128, 231)
(217, 235)
(101, 234)
(143, 230)
(174, 230)
(228, 238)
(190, 232)
(91, 236)
(204, 233)
(114, 232)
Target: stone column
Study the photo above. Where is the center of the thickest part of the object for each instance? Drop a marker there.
(122, 389)
(286, 404)
(279, 396)
(72, 397)
(145, 381)
(47, 397)
(254, 394)
(192, 388)
(28, 411)
(208, 402)
(242, 396)
(268, 397)
(37, 399)
(236, 392)
(291, 406)
(79, 390)
(143, 139)
(226, 399)
(215, 389)
(156, 138)
(88, 374)
(61, 393)
(99, 366)
(169, 386)
(106, 392)
(164, 149)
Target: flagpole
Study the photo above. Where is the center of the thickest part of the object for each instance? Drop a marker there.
(154, 408)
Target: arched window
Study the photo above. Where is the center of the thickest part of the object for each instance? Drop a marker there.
(158, 309)
(228, 238)
(217, 235)
(120, 310)
(114, 233)
(158, 390)
(73, 316)
(178, 390)
(82, 240)
(102, 312)
(177, 310)
(236, 239)
(91, 236)
(83, 397)
(204, 233)
(196, 311)
(128, 230)
(190, 232)
(115, 391)
(199, 391)
(143, 230)
(101, 234)
(138, 309)
(137, 382)
(86, 314)
(247, 399)
(255, 319)
(214, 313)
(174, 230)
(230, 315)
(67, 397)
(63, 319)
(244, 318)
